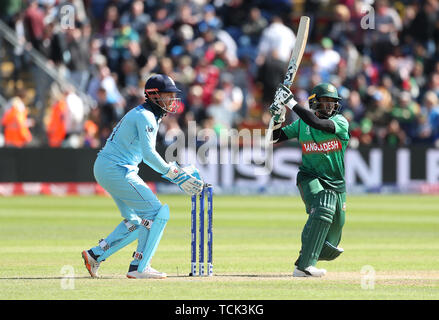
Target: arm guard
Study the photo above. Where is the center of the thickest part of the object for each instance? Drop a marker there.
(313, 121)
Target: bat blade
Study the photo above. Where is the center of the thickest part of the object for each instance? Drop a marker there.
(293, 65)
(298, 50)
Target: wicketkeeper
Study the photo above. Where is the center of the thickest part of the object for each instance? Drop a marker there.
(116, 170)
(323, 135)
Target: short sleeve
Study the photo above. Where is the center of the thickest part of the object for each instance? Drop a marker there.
(341, 127)
(292, 130)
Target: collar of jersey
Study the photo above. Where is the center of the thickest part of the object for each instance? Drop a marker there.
(158, 112)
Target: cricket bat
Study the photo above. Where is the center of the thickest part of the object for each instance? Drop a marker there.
(293, 65)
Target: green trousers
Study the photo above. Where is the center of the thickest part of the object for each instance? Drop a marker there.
(309, 187)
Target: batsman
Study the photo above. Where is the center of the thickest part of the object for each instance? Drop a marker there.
(323, 135)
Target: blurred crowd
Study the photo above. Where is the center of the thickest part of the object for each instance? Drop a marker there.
(228, 57)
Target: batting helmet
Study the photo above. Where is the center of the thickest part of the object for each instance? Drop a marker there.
(325, 109)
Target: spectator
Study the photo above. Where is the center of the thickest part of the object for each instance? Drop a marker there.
(183, 37)
(209, 20)
(406, 112)
(110, 23)
(77, 45)
(163, 19)
(34, 24)
(430, 110)
(355, 105)
(136, 17)
(207, 76)
(52, 44)
(417, 79)
(129, 76)
(229, 52)
(342, 28)
(104, 80)
(107, 114)
(171, 129)
(326, 59)
(125, 46)
(16, 124)
(276, 41)
(274, 51)
(394, 136)
(56, 127)
(423, 27)
(185, 16)
(91, 134)
(195, 103)
(254, 26)
(152, 42)
(75, 117)
(19, 56)
(233, 96)
(97, 58)
(378, 109)
(184, 72)
(423, 131)
(222, 116)
(387, 24)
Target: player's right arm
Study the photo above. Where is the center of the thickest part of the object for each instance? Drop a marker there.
(288, 132)
(278, 134)
(147, 128)
(147, 131)
(282, 134)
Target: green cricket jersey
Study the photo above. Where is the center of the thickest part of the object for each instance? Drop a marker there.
(322, 152)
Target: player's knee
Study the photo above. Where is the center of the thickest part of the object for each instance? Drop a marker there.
(324, 206)
(129, 225)
(162, 216)
(163, 213)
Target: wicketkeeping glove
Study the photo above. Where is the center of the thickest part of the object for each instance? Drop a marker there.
(284, 97)
(189, 183)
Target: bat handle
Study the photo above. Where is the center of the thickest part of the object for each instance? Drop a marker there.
(269, 134)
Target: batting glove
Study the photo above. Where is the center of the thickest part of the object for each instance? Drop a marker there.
(284, 97)
(277, 111)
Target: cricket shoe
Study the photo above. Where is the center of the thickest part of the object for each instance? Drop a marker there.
(309, 272)
(148, 273)
(91, 263)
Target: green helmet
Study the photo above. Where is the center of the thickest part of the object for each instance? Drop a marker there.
(326, 90)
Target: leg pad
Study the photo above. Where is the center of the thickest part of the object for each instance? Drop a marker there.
(329, 252)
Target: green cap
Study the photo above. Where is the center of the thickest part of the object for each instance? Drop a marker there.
(324, 90)
(327, 43)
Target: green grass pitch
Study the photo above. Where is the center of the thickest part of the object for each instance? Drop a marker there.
(391, 250)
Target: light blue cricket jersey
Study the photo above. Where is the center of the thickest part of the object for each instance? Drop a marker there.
(134, 139)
